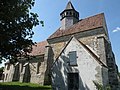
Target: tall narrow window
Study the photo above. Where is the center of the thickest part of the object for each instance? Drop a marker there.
(73, 58)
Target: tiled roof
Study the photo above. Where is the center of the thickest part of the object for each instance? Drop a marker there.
(83, 25)
(39, 48)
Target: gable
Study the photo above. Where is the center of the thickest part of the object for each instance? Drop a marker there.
(81, 49)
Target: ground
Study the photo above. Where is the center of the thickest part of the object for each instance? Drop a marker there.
(22, 86)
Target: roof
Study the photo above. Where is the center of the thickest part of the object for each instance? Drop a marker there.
(69, 6)
(86, 24)
(39, 48)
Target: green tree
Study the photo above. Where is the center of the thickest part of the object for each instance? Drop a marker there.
(1, 69)
(16, 28)
(1, 73)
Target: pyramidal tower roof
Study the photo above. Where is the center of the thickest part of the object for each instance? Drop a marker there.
(69, 16)
(69, 6)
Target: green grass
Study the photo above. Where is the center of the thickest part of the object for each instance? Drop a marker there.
(22, 86)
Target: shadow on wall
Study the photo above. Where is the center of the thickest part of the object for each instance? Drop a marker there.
(50, 59)
(16, 74)
(60, 71)
(27, 75)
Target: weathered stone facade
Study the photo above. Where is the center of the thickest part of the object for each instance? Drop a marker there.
(27, 71)
(50, 60)
(88, 68)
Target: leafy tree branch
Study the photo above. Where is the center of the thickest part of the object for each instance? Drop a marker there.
(16, 28)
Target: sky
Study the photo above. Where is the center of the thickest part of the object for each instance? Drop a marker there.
(49, 11)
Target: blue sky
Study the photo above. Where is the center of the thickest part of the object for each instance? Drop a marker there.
(49, 12)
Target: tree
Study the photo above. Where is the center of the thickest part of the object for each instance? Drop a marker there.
(1, 73)
(1, 69)
(16, 24)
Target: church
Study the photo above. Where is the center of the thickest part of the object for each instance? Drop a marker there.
(78, 54)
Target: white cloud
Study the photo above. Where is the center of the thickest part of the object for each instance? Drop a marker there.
(116, 30)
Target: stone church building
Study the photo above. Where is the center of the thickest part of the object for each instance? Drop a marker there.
(72, 58)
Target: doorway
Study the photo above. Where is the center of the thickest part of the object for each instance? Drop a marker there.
(73, 81)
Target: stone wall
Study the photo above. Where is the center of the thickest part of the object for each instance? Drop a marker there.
(35, 70)
(32, 71)
(8, 72)
(112, 67)
(88, 38)
(88, 68)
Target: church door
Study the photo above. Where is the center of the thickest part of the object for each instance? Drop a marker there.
(73, 81)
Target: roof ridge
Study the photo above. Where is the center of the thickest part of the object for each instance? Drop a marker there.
(93, 15)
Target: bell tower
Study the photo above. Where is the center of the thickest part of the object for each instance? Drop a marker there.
(69, 16)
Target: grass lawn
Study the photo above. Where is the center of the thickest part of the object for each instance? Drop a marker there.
(22, 86)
